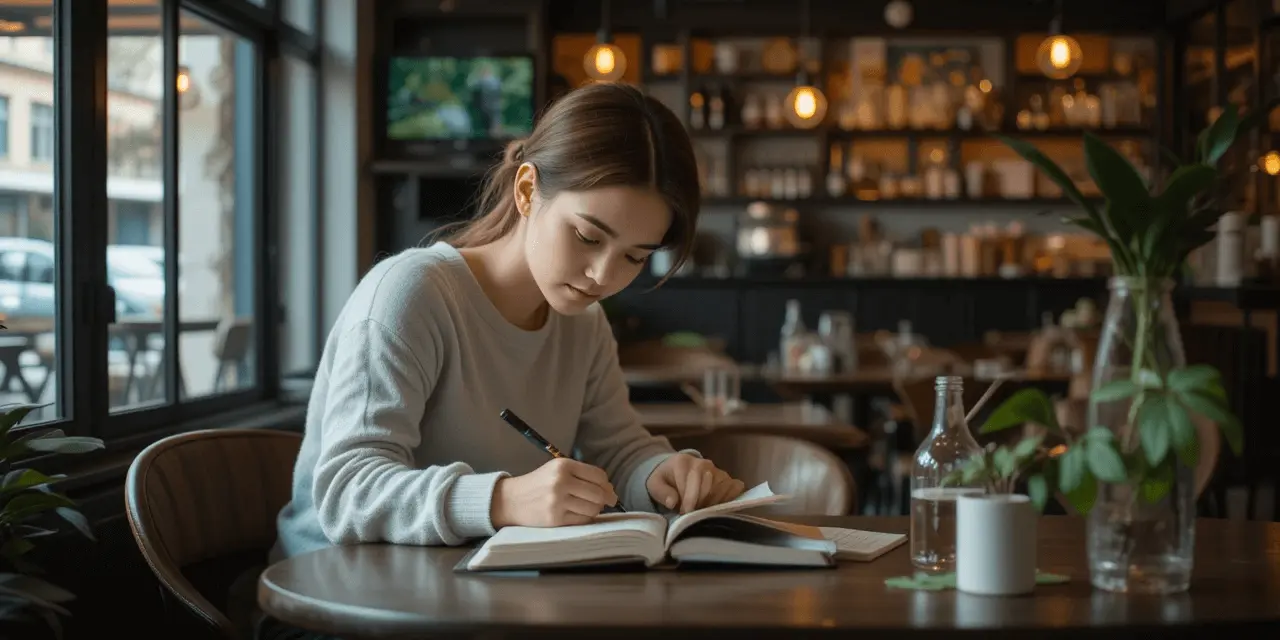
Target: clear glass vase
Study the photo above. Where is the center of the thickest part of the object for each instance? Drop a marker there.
(1136, 545)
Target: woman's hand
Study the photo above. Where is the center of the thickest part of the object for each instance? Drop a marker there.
(684, 483)
(561, 492)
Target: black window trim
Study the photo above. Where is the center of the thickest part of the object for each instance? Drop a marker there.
(80, 172)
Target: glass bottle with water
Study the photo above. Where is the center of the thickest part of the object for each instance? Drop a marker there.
(933, 507)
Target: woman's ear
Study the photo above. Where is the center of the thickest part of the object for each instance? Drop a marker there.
(525, 185)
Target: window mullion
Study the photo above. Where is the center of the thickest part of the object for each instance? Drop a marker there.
(81, 222)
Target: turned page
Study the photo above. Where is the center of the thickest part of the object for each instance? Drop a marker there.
(609, 536)
(757, 496)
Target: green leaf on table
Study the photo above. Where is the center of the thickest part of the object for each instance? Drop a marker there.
(1038, 491)
(1215, 409)
(1157, 483)
(923, 581)
(1071, 468)
(1153, 428)
(11, 415)
(1194, 378)
(1104, 460)
(1027, 405)
(1183, 432)
(1084, 495)
(1118, 389)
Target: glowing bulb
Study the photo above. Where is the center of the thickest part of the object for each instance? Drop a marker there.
(806, 103)
(1059, 57)
(1271, 163)
(605, 62)
(1059, 54)
(807, 106)
(184, 81)
(985, 86)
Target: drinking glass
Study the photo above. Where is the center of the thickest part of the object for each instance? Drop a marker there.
(721, 390)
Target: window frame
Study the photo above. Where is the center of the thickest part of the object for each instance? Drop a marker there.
(80, 35)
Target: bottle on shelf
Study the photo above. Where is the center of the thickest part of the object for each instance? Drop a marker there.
(835, 172)
(794, 338)
(697, 110)
(933, 506)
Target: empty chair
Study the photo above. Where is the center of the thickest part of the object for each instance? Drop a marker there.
(203, 506)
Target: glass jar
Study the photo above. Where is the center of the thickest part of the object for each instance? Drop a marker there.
(1136, 545)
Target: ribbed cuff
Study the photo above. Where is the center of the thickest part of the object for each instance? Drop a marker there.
(636, 497)
(470, 501)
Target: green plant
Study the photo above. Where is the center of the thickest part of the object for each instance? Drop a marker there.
(27, 500)
(1150, 235)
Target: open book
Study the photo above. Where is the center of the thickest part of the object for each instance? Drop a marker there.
(717, 534)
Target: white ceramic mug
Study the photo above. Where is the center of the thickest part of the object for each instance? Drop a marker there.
(995, 544)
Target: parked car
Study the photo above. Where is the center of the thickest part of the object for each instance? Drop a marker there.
(27, 277)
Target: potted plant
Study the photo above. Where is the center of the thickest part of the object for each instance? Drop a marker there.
(1131, 469)
(27, 501)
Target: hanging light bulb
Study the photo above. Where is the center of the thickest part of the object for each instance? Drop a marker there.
(806, 106)
(1059, 55)
(604, 61)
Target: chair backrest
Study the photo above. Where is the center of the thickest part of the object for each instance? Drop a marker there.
(819, 482)
(205, 495)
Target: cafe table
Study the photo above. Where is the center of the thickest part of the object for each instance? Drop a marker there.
(393, 591)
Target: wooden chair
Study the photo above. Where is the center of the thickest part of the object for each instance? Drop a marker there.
(819, 482)
(202, 507)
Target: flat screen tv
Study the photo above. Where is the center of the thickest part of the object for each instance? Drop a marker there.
(439, 98)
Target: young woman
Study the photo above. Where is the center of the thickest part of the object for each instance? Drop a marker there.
(404, 443)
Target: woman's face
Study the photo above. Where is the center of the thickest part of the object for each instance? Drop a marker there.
(584, 246)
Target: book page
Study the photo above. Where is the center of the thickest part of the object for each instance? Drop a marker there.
(603, 525)
(614, 535)
(757, 496)
(854, 544)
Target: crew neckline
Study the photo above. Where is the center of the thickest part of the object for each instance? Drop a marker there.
(484, 307)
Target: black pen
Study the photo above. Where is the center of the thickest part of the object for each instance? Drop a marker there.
(508, 416)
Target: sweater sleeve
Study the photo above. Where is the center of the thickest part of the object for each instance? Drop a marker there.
(366, 486)
(610, 435)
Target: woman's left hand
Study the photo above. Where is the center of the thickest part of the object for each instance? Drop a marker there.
(684, 483)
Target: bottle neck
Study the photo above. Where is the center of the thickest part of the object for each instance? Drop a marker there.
(948, 410)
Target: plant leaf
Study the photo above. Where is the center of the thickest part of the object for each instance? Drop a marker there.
(1219, 136)
(1153, 427)
(1104, 460)
(1027, 446)
(1004, 462)
(1031, 154)
(1214, 409)
(1038, 491)
(1157, 483)
(1127, 195)
(1193, 378)
(1027, 405)
(1118, 389)
(77, 520)
(1185, 440)
(1071, 468)
(1083, 496)
(1185, 183)
(20, 479)
(69, 444)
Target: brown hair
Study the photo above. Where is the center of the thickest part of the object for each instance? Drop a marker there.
(600, 135)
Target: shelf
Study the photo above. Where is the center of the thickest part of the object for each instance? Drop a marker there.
(836, 133)
(1246, 296)
(647, 281)
(958, 203)
(434, 169)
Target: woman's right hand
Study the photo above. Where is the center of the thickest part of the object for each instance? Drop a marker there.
(561, 492)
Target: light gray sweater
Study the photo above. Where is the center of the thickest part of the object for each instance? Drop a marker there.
(403, 442)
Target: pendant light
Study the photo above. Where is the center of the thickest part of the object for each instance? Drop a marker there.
(806, 106)
(605, 61)
(1059, 56)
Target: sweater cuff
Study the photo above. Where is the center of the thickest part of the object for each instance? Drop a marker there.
(636, 497)
(470, 502)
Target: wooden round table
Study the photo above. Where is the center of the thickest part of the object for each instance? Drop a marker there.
(390, 591)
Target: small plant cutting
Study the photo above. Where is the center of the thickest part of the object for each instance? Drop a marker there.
(27, 504)
(1129, 466)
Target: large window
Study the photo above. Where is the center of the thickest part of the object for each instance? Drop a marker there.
(153, 219)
